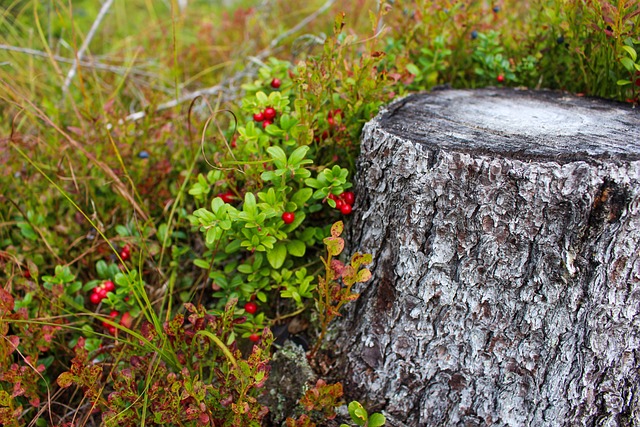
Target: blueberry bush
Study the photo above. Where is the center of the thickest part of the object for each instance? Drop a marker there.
(177, 178)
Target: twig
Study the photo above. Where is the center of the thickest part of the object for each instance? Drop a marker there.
(302, 23)
(87, 64)
(72, 72)
(247, 71)
(191, 96)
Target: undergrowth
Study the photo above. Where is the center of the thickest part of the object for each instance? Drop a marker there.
(175, 181)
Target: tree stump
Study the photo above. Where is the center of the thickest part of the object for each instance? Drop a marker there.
(504, 227)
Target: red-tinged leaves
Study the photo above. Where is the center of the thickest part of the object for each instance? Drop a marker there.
(14, 342)
(65, 379)
(334, 245)
(83, 373)
(6, 302)
(336, 229)
(301, 421)
(337, 267)
(364, 275)
(358, 259)
(323, 398)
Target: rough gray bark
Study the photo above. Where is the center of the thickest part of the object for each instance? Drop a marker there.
(505, 229)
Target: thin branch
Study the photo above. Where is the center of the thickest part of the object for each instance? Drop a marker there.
(192, 95)
(302, 23)
(87, 64)
(72, 72)
(246, 72)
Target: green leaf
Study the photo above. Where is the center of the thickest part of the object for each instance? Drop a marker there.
(296, 248)
(262, 98)
(376, 420)
(201, 263)
(623, 82)
(277, 255)
(268, 176)
(632, 52)
(122, 230)
(249, 203)
(301, 196)
(361, 415)
(357, 412)
(211, 236)
(102, 269)
(73, 288)
(278, 155)
(628, 63)
(313, 183)
(232, 247)
(298, 155)
(413, 69)
(245, 268)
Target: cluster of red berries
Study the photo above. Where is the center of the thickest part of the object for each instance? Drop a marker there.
(125, 252)
(100, 292)
(288, 217)
(344, 202)
(126, 320)
(265, 116)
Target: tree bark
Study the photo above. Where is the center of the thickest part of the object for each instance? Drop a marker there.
(504, 227)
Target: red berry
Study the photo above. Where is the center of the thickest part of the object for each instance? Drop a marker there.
(334, 113)
(254, 337)
(109, 286)
(500, 78)
(113, 314)
(126, 320)
(288, 217)
(339, 203)
(95, 298)
(258, 117)
(251, 307)
(112, 330)
(332, 196)
(269, 113)
(348, 197)
(266, 123)
(275, 83)
(125, 253)
(638, 82)
(27, 274)
(331, 121)
(346, 209)
(227, 197)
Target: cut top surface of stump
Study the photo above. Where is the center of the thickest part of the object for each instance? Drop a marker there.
(517, 123)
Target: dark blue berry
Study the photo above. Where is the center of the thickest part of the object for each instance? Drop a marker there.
(496, 9)
(560, 40)
(474, 34)
(144, 154)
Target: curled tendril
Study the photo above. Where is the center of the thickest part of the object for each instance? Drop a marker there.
(204, 131)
